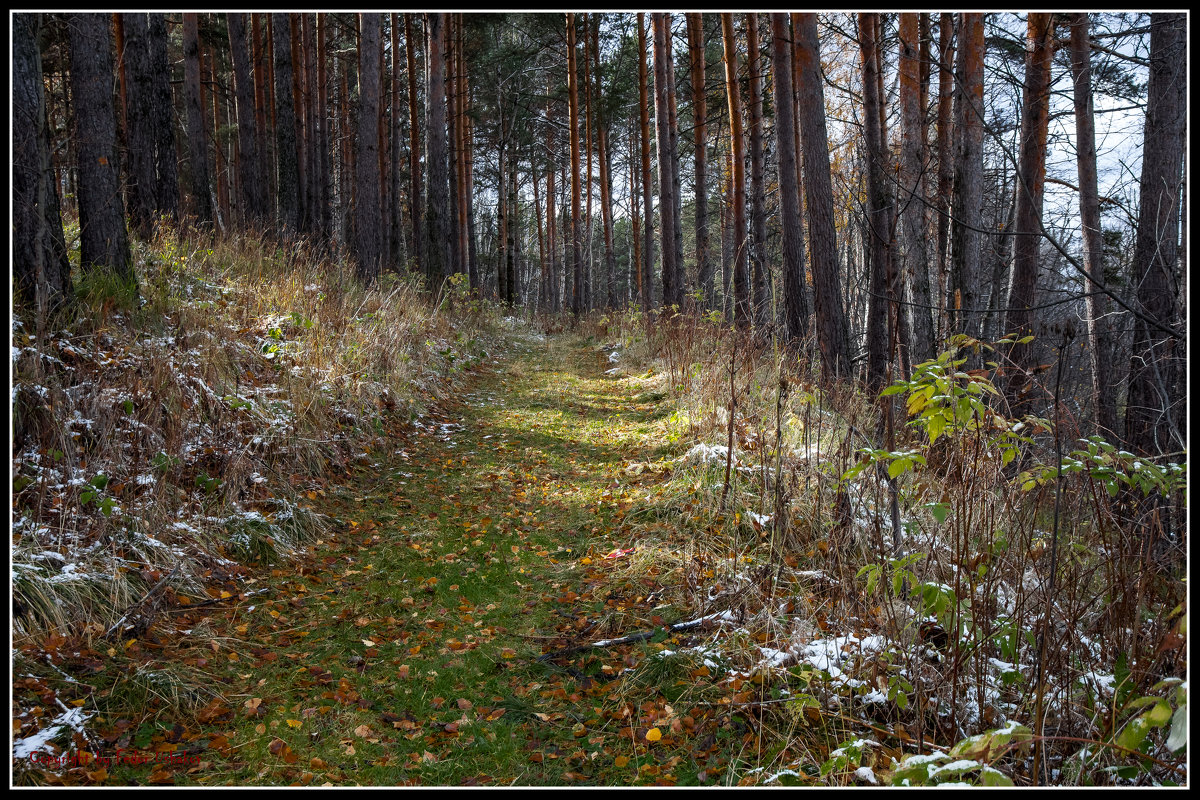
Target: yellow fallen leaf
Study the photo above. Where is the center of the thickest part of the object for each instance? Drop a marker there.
(294, 723)
(653, 735)
(621, 761)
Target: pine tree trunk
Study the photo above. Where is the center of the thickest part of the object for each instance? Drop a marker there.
(286, 158)
(945, 159)
(879, 320)
(415, 206)
(104, 241)
(647, 207)
(1100, 353)
(912, 191)
(197, 140)
(41, 270)
(573, 87)
(1155, 415)
(437, 214)
(704, 266)
(162, 117)
(139, 130)
(1031, 181)
(795, 299)
(253, 175)
(741, 278)
(832, 335)
(967, 215)
(758, 181)
(367, 216)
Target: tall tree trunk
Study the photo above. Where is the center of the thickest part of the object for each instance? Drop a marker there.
(299, 103)
(367, 216)
(262, 91)
(573, 88)
(647, 208)
(286, 158)
(1154, 415)
(967, 216)
(605, 158)
(741, 278)
(455, 165)
(415, 206)
(41, 270)
(551, 200)
(162, 115)
(197, 139)
(437, 215)
(945, 157)
(795, 299)
(104, 241)
(635, 264)
(676, 183)
(314, 111)
(879, 320)
(253, 175)
(588, 300)
(139, 126)
(1031, 181)
(704, 266)
(832, 335)
(912, 191)
(758, 181)
(1104, 391)
(667, 164)
(464, 155)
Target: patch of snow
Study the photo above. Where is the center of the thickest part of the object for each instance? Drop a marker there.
(866, 774)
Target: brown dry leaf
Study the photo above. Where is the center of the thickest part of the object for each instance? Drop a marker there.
(464, 704)
(363, 731)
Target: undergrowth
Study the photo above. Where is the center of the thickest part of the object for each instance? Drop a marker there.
(926, 599)
(171, 436)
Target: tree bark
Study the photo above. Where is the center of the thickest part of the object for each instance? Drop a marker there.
(967, 217)
(758, 181)
(913, 191)
(1027, 231)
(832, 335)
(945, 157)
(437, 215)
(704, 266)
(367, 217)
(647, 207)
(162, 117)
(573, 89)
(286, 158)
(741, 278)
(104, 241)
(41, 270)
(1155, 415)
(415, 206)
(1104, 394)
(253, 174)
(197, 139)
(879, 315)
(795, 298)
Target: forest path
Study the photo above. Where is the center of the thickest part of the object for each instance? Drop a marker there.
(405, 646)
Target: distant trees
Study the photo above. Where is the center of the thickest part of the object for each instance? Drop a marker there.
(465, 143)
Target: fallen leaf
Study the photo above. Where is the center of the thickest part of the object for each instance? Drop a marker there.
(653, 735)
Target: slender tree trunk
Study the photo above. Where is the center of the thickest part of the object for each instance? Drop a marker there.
(1031, 181)
(912, 191)
(795, 299)
(437, 215)
(878, 308)
(648, 208)
(286, 158)
(455, 165)
(588, 300)
(253, 175)
(415, 206)
(104, 241)
(704, 267)
(299, 103)
(758, 181)
(1104, 393)
(367, 216)
(967, 216)
(551, 200)
(41, 270)
(604, 156)
(573, 88)
(312, 137)
(1154, 416)
(945, 157)
(673, 165)
(635, 265)
(741, 278)
(162, 115)
(832, 335)
(197, 139)
(139, 126)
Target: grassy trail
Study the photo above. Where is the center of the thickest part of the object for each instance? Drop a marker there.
(405, 646)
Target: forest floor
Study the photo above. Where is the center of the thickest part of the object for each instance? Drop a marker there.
(405, 647)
